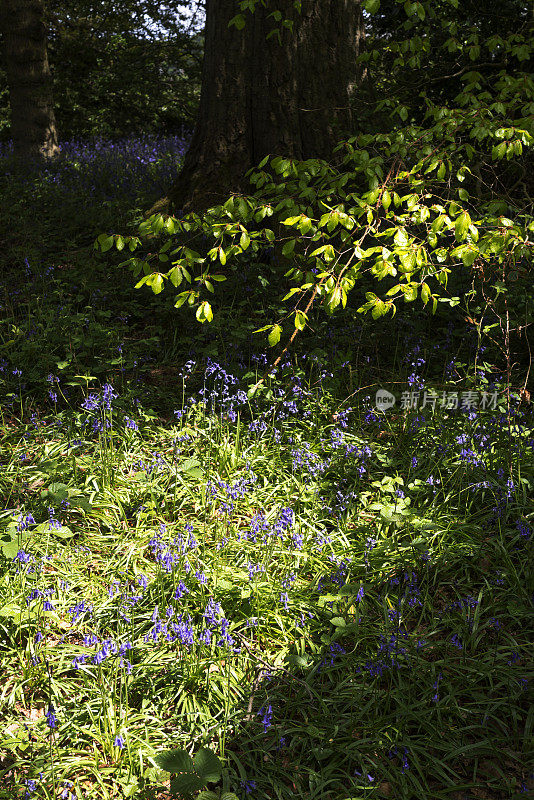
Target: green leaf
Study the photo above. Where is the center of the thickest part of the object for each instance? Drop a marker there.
(294, 290)
(288, 248)
(181, 298)
(105, 242)
(338, 622)
(499, 151)
(425, 293)
(371, 6)
(244, 241)
(59, 492)
(175, 276)
(156, 282)
(175, 761)
(300, 320)
(63, 532)
(9, 547)
(469, 255)
(238, 21)
(461, 226)
(186, 784)
(204, 312)
(274, 336)
(11, 612)
(207, 765)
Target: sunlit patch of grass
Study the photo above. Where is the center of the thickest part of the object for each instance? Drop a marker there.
(197, 584)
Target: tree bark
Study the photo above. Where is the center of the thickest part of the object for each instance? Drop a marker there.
(261, 97)
(33, 124)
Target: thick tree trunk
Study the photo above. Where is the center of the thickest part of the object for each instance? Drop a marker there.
(261, 97)
(33, 125)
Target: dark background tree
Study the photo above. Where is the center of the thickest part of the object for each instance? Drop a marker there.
(120, 68)
(265, 94)
(24, 34)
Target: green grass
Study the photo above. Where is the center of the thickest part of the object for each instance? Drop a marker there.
(374, 571)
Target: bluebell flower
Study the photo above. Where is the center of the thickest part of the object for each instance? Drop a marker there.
(365, 777)
(266, 715)
(51, 719)
(180, 590)
(119, 742)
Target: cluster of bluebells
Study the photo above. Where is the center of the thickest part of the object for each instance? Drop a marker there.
(335, 651)
(156, 464)
(24, 521)
(221, 392)
(338, 576)
(100, 401)
(102, 170)
(105, 651)
(169, 553)
(228, 493)
(99, 404)
(402, 754)
(416, 362)
(32, 785)
(266, 716)
(305, 460)
(391, 655)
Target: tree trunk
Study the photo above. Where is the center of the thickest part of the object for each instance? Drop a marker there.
(33, 125)
(262, 97)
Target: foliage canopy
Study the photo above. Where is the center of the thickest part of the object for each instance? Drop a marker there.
(432, 182)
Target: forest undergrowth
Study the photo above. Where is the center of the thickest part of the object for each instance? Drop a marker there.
(333, 599)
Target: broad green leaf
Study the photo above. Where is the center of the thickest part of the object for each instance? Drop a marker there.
(274, 336)
(238, 21)
(186, 784)
(156, 283)
(181, 298)
(207, 765)
(63, 532)
(461, 226)
(300, 320)
(291, 220)
(372, 6)
(175, 761)
(288, 248)
(105, 242)
(499, 151)
(175, 276)
(425, 293)
(338, 622)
